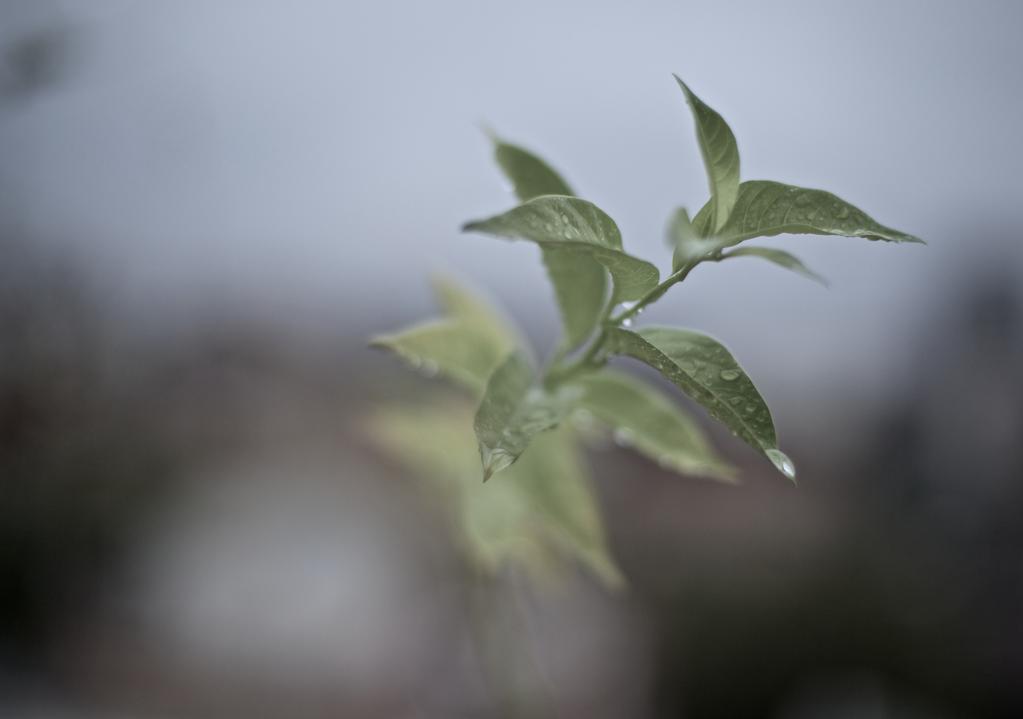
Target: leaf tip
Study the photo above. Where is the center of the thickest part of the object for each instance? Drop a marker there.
(487, 129)
(782, 463)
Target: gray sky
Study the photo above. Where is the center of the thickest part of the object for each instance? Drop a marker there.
(315, 159)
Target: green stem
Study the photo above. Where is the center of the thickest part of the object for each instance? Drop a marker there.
(654, 294)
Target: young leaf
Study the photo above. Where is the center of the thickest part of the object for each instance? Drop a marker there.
(702, 368)
(580, 282)
(688, 244)
(780, 258)
(643, 418)
(720, 156)
(572, 223)
(465, 347)
(767, 208)
(513, 410)
(542, 513)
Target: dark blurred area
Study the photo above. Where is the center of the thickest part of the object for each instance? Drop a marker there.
(193, 522)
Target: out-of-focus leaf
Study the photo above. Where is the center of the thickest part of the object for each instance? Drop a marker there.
(530, 176)
(641, 417)
(720, 156)
(688, 245)
(767, 208)
(569, 222)
(541, 514)
(465, 347)
(702, 368)
(580, 282)
(514, 409)
(780, 258)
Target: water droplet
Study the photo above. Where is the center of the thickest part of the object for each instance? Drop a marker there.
(549, 227)
(414, 360)
(750, 409)
(737, 400)
(842, 213)
(624, 437)
(803, 199)
(783, 463)
(729, 375)
(627, 322)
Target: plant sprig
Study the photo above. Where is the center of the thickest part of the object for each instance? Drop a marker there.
(600, 290)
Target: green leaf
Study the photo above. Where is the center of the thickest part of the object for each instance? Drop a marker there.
(767, 208)
(720, 156)
(572, 223)
(580, 285)
(643, 418)
(702, 368)
(465, 346)
(780, 258)
(530, 176)
(445, 347)
(541, 514)
(580, 282)
(688, 244)
(514, 409)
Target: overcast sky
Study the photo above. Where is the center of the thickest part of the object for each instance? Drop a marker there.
(314, 159)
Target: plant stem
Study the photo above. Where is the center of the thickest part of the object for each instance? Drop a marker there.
(654, 294)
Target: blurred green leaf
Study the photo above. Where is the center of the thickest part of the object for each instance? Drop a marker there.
(465, 347)
(514, 409)
(530, 176)
(580, 282)
(572, 223)
(720, 156)
(767, 208)
(643, 418)
(688, 244)
(780, 258)
(541, 514)
(702, 368)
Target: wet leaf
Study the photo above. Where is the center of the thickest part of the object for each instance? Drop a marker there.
(767, 208)
(705, 371)
(575, 224)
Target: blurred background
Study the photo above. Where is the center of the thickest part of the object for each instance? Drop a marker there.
(206, 209)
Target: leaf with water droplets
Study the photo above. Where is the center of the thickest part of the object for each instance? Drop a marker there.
(513, 410)
(780, 258)
(540, 515)
(464, 347)
(572, 223)
(579, 281)
(650, 423)
(705, 371)
(767, 208)
(720, 156)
